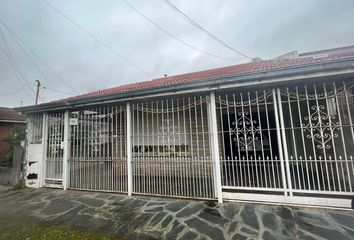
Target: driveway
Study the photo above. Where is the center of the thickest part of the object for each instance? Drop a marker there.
(140, 217)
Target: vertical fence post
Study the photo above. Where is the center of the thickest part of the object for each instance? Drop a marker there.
(285, 146)
(42, 165)
(129, 149)
(215, 146)
(66, 152)
(279, 140)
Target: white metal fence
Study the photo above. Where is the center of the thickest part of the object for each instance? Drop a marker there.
(290, 141)
(171, 155)
(98, 145)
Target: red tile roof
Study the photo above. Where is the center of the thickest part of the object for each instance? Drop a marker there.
(8, 114)
(252, 67)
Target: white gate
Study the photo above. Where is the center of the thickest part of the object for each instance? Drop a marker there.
(171, 149)
(290, 144)
(55, 150)
(98, 149)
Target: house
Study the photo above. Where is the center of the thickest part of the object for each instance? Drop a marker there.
(9, 119)
(276, 130)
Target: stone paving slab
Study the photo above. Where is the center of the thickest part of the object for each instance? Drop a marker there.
(141, 217)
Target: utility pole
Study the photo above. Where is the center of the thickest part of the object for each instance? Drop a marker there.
(38, 84)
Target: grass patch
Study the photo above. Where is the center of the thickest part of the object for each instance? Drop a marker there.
(27, 231)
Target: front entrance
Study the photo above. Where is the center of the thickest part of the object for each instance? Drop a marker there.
(291, 144)
(55, 150)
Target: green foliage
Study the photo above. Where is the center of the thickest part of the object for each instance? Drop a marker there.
(18, 135)
(13, 140)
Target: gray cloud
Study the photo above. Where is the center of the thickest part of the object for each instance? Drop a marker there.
(258, 28)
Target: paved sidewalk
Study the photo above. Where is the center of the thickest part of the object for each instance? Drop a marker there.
(161, 218)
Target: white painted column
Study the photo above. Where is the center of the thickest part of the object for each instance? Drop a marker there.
(279, 138)
(129, 149)
(42, 165)
(215, 146)
(285, 145)
(66, 153)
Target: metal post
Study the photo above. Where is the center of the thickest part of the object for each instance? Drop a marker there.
(215, 146)
(66, 152)
(129, 150)
(280, 148)
(285, 146)
(42, 165)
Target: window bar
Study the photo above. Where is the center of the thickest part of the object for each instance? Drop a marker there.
(312, 140)
(322, 139)
(303, 140)
(262, 148)
(197, 159)
(230, 159)
(192, 147)
(343, 142)
(204, 178)
(159, 158)
(224, 160)
(240, 178)
(294, 142)
(256, 184)
(271, 160)
(246, 163)
(186, 169)
(351, 128)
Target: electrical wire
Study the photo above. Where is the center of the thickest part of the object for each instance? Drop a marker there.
(14, 92)
(96, 38)
(19, 75)
(173, 36)
(172, 6)
(14, 37)
(19, 40)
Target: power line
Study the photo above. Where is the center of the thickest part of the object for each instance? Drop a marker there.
(96, 38)
(171, 5)
(173, 36)
(17, 41)
(14, 92)
(10, 58)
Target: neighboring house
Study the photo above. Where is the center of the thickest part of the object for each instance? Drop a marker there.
(9, 119)
(277, 131)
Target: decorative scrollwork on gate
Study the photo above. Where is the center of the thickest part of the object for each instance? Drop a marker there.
(321, 127)
(245, 132)
(168, 131)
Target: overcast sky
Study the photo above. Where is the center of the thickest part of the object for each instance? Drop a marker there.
(260, 28)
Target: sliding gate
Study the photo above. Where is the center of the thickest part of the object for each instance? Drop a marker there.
(171, 148)
(98, 149)
(291, 144)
